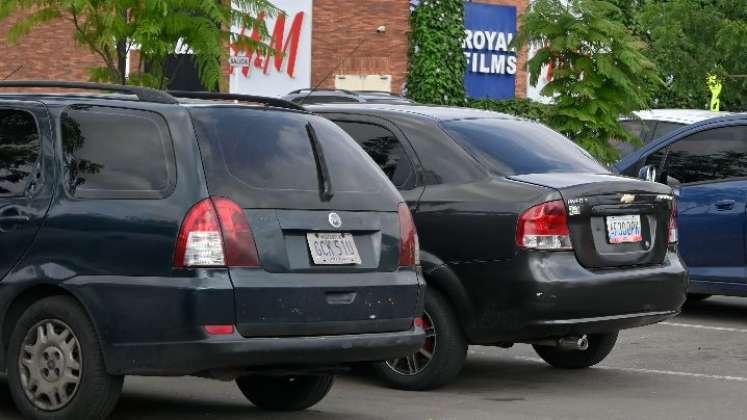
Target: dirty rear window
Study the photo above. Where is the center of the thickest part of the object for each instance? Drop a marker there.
(248, 151)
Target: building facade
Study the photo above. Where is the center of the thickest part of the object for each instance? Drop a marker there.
(357, 44)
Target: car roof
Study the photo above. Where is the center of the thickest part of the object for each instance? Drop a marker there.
(432, 112)
(680, 116)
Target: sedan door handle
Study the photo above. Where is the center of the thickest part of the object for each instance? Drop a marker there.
(725, 205)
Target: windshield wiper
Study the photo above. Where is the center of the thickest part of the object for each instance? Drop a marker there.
(325, 190)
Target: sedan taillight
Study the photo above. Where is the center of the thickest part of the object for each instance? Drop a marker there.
(674, 234)
(544, 226)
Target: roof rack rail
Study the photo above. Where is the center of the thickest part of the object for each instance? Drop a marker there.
(143, 94)
(346, 91)
(274, 102)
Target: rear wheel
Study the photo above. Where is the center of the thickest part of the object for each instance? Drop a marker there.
(439, 360)
(600, 345)
(55, 365)
(285, 393)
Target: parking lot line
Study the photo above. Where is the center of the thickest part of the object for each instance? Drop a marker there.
(704, 327)
(652, 371)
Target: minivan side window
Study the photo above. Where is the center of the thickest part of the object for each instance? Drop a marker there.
(117, 153)
(19, 150)
(710, 155)
(384, 148)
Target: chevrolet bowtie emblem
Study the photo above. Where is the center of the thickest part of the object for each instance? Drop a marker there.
(627, 198)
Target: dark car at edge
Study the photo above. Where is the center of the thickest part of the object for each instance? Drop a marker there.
(525, 238)
(145, 235)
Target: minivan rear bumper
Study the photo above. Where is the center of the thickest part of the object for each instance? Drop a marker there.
(549, 294)
(235, 353)
(156, 325)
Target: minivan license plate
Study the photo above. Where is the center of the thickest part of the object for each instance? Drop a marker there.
(622, 229)
(333, 248)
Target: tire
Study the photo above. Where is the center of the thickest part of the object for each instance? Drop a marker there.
(445, 343)
(285, 393)
(697, 297)
(600, 346)
(71, 341)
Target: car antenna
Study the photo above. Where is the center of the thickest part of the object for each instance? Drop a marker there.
(380, 30)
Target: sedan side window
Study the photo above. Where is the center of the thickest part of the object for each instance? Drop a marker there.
(384, 148)
(19, 150)
(710, 155)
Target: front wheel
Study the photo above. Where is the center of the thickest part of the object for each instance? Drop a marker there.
(600, 345)
(285, 393)
(55, 366)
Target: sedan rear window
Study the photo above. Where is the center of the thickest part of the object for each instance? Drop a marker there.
(511, 147)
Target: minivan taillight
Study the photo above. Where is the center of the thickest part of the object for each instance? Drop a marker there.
(674, 234)
(544, 226)
(409, 247)
(216, 233)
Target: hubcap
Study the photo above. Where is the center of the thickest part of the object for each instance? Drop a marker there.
(417, 362)
(50, 365)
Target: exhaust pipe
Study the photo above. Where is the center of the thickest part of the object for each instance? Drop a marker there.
(571, 343)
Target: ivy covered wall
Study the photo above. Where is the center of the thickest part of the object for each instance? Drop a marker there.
(437, 62)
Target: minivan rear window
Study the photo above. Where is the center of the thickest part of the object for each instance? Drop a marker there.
(512, 147)
(249, 151)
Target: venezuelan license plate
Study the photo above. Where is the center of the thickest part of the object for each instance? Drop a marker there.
(333, 248)
(621, 229)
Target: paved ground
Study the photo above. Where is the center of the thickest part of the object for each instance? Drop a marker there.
(692, 367)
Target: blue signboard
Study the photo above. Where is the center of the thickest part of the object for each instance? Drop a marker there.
(491, 64)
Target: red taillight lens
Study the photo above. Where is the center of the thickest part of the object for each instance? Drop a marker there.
(216, 233)
(409, 249)
(544, 226)
(219, 329)
(674, 234)
(238, 240)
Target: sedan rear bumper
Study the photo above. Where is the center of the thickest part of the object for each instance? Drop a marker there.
(549, 294)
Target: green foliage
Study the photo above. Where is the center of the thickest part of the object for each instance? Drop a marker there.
(520, 107)
(112, 28)
(437, 62)
(600, 71)
(691, 38)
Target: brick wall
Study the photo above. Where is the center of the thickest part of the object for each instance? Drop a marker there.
(340, 25)
(48, 53)
(521, 74)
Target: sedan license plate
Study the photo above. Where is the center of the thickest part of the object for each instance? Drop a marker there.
(621, 229)
(333, 248)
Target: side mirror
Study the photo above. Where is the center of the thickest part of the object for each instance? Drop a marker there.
(649, 173)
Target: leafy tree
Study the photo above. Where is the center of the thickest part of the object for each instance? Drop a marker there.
(600, 72)
(690, 39)
(113, 28)
(437, 61)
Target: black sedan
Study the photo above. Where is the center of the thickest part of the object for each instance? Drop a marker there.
(525, 237)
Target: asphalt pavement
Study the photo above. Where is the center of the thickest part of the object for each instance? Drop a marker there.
(692, 367)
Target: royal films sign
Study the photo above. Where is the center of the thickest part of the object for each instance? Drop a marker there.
(286, 68)
(491, 63)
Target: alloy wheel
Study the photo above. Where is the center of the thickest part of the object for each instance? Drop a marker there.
(50, 365)
(418, 361)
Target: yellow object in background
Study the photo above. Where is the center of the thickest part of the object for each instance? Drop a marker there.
(714, 84)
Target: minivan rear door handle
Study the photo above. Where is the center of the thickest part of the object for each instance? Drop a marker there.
(14, 219)
(724, 205)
